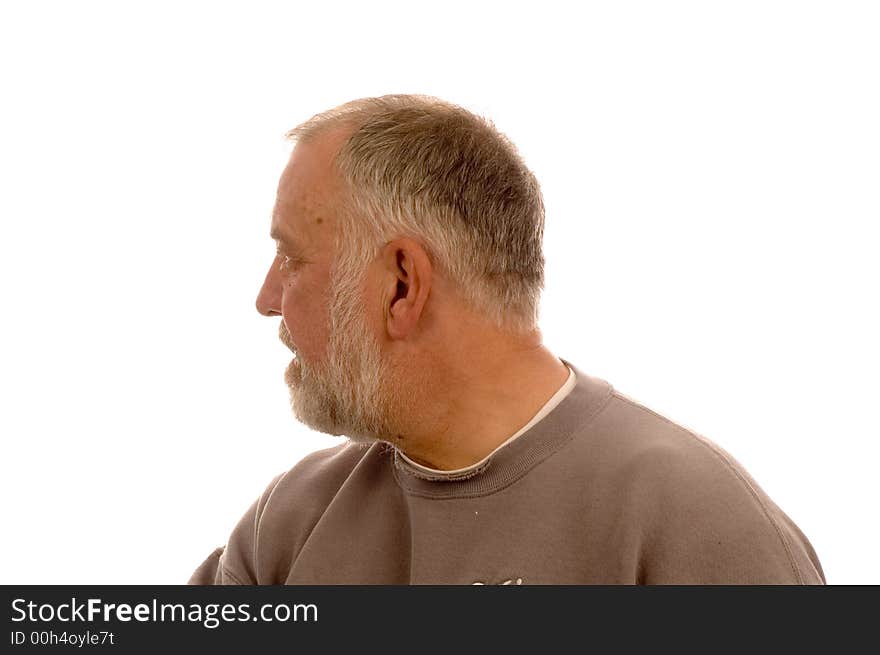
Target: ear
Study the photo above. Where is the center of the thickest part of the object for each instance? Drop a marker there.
(408, 275)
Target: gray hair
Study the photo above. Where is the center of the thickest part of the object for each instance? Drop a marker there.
(421, 167)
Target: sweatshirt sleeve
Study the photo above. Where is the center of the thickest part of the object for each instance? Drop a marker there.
(210, 571)
(234, 563)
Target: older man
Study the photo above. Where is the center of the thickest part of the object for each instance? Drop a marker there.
(407, 278)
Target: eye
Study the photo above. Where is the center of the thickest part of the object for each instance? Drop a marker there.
(285, 262)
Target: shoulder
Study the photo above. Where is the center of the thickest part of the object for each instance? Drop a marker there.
(271, 532)
(651, 446)
(314, 480)
(700, 515)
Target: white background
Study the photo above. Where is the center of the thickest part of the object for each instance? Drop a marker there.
(710, 171)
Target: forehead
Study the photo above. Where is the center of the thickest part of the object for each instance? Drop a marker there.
(308, 192)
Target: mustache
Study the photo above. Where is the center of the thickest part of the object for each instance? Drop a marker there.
(284, 335)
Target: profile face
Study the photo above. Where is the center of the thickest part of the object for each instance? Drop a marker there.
(298, 279)
(335, 376)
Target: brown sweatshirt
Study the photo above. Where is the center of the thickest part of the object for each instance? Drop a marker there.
(601, 490)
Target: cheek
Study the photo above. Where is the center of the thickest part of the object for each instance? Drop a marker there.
(304, 314)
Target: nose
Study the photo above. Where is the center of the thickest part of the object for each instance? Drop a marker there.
(269, 297)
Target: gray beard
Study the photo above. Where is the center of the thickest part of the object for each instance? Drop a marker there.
(351, 394)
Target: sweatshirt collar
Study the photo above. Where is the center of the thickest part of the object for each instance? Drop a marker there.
(568, 409)
(466, 472)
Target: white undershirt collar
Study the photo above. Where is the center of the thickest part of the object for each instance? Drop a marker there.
(546, 409)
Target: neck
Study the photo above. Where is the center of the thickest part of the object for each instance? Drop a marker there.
(480, 392)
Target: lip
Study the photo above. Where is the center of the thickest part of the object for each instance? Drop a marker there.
(284, 337)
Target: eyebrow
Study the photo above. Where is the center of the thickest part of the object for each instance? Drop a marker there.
(276, 235)
(290, 247)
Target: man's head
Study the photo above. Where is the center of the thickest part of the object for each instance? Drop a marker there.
(400, 221)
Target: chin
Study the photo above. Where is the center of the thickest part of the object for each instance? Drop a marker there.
(315, 408)
(321, 412)
(347, 396)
